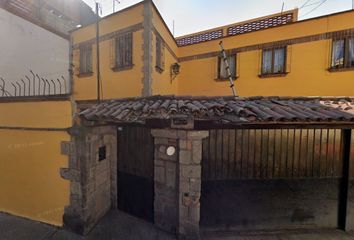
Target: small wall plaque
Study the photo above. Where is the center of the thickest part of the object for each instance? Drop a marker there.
(102, 153)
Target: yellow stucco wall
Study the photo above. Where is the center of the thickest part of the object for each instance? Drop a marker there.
(162, 83)
(30, 159)
(161, 27)
(125, 83)
(111, 23)
(310, 27)
(307, 63)
(307, 75)
(29, 175)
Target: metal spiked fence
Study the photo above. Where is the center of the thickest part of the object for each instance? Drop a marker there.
(33, 85)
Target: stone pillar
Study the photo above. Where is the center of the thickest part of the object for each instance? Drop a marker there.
(92, 156)
(147, 49)
(178, 181)
(165, 180)
(190, 156)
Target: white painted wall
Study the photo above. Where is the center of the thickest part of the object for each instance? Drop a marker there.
(25, 46)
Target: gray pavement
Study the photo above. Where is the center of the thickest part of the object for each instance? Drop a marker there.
(304, 234)
(120, 226)
(114, 226)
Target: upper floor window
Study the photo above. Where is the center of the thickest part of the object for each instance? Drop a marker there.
(124, 51)
(343, 53)
(86, 59)
(222, 71)
(273, 61)
(160, 55)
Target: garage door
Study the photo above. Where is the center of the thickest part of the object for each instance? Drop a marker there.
(271, 178)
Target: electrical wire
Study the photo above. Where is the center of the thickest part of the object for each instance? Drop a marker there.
(305, 4)
(315, 8)
(309, 5)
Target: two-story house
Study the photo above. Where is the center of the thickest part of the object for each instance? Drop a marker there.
(275, 55)
(271, 55)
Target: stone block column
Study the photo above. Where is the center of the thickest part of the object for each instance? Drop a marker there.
(165, 180)
(92, 175)
(178, 155)
(189, 190)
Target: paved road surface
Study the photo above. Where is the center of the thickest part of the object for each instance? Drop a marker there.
(119, 226)
(282, 235)
(115, 226)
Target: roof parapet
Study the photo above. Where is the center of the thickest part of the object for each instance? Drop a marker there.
(252, 25)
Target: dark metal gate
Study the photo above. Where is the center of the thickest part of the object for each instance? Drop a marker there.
(254, 178)
(136, 172)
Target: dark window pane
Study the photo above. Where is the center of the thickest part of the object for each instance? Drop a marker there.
(267, 61)
(82, 61)
(124, 50)
(279, 60)
(89, 60)
(351, 52)
(86, 59)
(338, 53)
(223, 74)
(158, 52)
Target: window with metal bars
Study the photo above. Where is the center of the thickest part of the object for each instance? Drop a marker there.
(274, 61)
(124, 52)
(160, 55)
(222, 71)
(86, 59)
(343, 53)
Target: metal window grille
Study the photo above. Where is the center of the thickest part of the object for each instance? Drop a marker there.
(86, 59)
(160, 54)
(124, 51)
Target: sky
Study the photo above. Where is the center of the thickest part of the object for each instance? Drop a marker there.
(191, 16)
